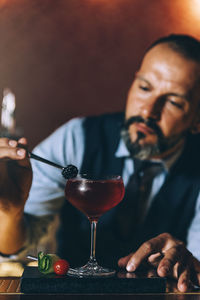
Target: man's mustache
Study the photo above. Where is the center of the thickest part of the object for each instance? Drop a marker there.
(148, 122)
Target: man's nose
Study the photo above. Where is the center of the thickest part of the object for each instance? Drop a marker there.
(152, 109)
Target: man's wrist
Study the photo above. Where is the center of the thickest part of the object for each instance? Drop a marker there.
(12, 234)
(12, 214)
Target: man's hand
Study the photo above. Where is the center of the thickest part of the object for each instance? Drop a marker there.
(15, 183)
(171, 259)
(15, 176)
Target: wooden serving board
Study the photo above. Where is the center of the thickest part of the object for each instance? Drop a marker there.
(33, 281)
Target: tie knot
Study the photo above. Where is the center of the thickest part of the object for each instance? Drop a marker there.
(143, 167)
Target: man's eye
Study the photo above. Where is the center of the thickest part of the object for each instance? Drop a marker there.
(144, 88)
(178, 105)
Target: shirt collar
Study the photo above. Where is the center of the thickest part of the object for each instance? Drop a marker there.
(122, 151)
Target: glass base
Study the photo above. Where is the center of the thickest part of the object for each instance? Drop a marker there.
(91, 270)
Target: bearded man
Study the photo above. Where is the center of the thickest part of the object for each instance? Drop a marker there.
(154, 146)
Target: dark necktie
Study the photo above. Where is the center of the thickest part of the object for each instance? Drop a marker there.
(133, 208)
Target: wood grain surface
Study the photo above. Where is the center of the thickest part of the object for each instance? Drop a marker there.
(9, 285)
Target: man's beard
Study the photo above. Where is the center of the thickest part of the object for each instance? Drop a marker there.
(147, 150)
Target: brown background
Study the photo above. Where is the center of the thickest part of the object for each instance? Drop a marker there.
(66, 58)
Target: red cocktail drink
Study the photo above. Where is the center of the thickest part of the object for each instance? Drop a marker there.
(94, 197)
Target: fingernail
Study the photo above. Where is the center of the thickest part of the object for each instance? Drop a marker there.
(21, 152)
(12, 143)
(130, 267)
(183, 287)
(186, 282)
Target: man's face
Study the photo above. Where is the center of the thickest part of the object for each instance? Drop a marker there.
(163, 103)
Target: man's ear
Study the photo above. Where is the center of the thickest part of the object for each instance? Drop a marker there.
(195, 128)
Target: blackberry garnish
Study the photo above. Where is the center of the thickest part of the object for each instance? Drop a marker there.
(69, 171)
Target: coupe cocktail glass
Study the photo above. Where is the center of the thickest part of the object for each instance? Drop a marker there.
(94, 196)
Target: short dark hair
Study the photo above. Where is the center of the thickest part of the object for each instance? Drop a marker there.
(184, 44)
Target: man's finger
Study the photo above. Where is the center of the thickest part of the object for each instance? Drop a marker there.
(23, 141)
(184, 280)
(122, 262)
(9, 149)
(12, 143)
(5, 142)
(12, 153)
(197, 281)
(171, 257)
(155, 259)
(195, 274)
(148, 248)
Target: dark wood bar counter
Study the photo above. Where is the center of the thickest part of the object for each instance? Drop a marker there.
(10, 290)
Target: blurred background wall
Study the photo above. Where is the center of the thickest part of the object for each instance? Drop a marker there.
(67, 58)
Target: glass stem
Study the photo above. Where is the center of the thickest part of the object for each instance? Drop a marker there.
(93, 224)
